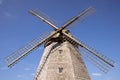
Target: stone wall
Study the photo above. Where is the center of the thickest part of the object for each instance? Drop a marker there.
(61, 62)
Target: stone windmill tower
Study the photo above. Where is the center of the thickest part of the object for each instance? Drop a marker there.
(61, 59)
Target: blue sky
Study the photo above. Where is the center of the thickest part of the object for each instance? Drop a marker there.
(17, 27)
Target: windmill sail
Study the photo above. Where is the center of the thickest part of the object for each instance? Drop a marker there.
(80, 17)
(95, 60)
(101, 61)
(101, 57)
(24, 51)
(44, 18)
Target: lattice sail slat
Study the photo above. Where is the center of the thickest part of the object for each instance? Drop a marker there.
(95, 60)
(24, 51)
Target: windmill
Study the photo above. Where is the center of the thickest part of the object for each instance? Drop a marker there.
(62, 59)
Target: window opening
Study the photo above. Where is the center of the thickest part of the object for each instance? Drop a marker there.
(60, 51)
(60, 69)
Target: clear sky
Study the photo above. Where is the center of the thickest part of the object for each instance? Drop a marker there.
(17, 27)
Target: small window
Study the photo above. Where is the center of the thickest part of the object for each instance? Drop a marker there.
(60, 69)
(60, 51)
